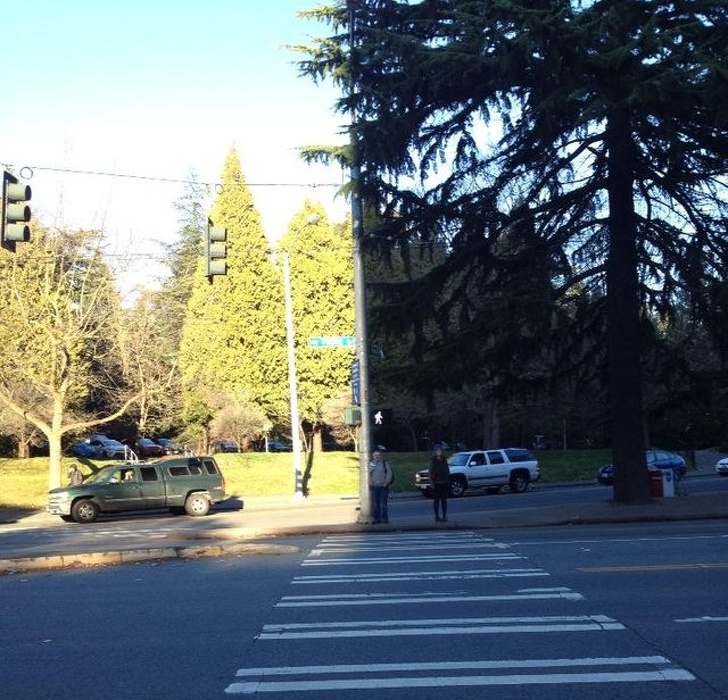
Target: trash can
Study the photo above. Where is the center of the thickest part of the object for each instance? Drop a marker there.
(668, 482)
(656, 483)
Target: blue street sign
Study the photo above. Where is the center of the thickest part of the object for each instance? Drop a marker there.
(332, 341)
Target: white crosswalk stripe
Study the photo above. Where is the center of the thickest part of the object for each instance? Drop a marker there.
(426, 598)
(600, 670)
(452, 574)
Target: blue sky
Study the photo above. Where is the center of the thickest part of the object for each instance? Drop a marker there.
(155, 89)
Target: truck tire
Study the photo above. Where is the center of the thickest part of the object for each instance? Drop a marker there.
(197, 504)
(84, 511)
(519, 481)
(458, 485)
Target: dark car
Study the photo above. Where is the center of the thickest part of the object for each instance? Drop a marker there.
(656, 459)
(85, 450)
(225, 446)
(170, 446)
(146, 447)
(278, 446)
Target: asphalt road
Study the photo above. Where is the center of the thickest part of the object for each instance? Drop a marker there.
(632, 611)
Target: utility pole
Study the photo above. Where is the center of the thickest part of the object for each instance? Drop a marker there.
(360, 306)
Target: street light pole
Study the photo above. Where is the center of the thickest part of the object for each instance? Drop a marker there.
(292, 381)
(360, 305)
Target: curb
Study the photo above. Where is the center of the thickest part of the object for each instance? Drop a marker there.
(92, 559)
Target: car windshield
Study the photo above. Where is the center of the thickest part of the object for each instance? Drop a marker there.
(459, 459)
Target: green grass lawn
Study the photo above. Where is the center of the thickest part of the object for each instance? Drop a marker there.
(24, 482)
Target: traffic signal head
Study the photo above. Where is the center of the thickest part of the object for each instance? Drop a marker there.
(15, 212)
(215, 251)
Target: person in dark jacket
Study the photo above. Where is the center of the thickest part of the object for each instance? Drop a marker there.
(440, 479)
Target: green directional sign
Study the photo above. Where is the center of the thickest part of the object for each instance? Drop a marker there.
(332, 341)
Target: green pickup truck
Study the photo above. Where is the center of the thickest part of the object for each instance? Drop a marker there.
(182, 484)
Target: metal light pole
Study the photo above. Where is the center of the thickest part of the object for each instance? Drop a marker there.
(296, 446)
(360, 308)
(292, 381)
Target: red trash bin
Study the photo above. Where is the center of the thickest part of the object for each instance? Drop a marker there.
(656, 483)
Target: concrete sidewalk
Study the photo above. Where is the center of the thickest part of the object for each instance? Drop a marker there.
(258, 527)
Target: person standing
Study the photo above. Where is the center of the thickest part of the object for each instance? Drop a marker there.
(380, 477)
(440, 478)
(75, 477)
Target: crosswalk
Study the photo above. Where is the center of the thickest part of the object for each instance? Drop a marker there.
(433, 611)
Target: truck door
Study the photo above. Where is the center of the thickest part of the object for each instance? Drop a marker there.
(122, 490)
(153, 489)
(477, 470)
(498, 468)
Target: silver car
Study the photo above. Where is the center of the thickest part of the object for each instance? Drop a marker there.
(721, 466)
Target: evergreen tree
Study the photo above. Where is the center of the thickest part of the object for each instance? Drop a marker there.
(233, 339)
(322, 272)
(168, 306)
(603, 123)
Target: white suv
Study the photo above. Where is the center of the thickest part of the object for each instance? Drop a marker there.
(514, 467)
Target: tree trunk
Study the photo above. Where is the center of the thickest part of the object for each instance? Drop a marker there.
(631, 483)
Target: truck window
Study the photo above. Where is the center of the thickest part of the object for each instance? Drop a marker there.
(496, 457)
(179, 471)
(149, 474)
(210, 466)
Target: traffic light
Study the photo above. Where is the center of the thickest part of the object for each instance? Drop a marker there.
(15, 212)
(215, 251)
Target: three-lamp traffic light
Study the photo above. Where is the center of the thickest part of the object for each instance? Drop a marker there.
(15, 212)
(215, 251)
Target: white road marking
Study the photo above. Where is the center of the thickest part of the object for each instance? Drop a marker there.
(663, 671)
(704, 618)
(405, 560)
(486, 625)
(353, 599)
(458, 574)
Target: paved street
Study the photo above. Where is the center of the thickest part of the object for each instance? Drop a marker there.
(624, 610)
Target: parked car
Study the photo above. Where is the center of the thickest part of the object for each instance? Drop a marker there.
(170, 446)
(225, 446)
(279, 446)
(721, 466)
(108, 447)
(146, 447)
(656, 459)
(85, 450)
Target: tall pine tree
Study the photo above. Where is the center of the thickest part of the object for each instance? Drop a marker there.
(234, 337)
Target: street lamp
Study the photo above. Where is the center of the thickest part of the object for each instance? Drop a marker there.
(296, 446)
(360, 303)
(292, 381)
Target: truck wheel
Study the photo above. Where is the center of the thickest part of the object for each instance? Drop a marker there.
(458, 486)
(197, 504)
(519, 482)
(84, 511)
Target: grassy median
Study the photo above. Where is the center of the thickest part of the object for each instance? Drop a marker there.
(24, 482)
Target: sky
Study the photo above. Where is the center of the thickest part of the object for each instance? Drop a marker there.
(107, 107)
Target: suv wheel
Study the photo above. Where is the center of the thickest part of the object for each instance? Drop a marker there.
(458, 486)
(84, 511)
(519, 482)
(197, 504)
